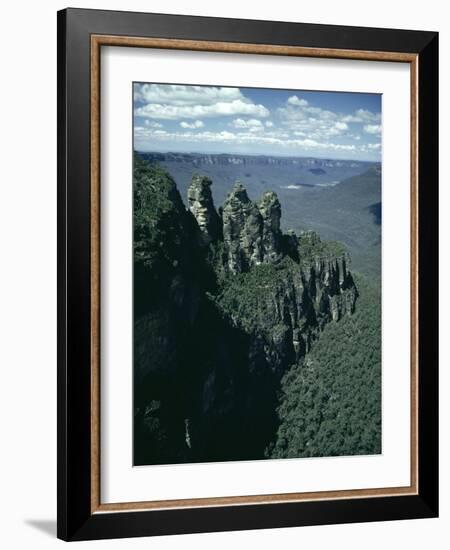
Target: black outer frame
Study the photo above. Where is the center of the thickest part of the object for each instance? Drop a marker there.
(75, 521)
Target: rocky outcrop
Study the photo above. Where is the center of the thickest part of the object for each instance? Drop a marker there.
(201, 205)
(270, 209)
(326, 274)
(251, 231)
(242, 225)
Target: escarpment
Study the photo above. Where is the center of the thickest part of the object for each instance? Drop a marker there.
(225, 304)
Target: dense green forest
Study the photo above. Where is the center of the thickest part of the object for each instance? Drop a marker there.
(330, 403)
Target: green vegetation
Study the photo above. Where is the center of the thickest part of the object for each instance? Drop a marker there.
(330, 403)
(157, 206)
(243, 296)
(311, 248)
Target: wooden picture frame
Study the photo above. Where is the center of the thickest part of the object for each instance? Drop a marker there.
(81, 35)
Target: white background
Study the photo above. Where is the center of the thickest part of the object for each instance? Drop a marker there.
(119, 481)
(28, 274)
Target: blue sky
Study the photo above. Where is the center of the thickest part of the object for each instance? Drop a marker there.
(256, 121)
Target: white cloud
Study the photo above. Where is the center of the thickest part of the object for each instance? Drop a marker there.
(337, 128)
(152, 124)
(322, 114)
(321, 124)
(362, 116)
(312, 122)
(144, 132)
(372, 129)
(172, 102)
(192, 125)
(295, 100)
(180, 95)
(252, 124)
(174, 112)
(370, 148)
(145, 137)
(304, 127)
(313, 144)
(299, 125)
(315, 123)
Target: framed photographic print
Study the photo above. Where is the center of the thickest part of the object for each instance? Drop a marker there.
(247, 252)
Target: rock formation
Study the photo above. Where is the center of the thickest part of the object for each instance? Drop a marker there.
(242, 224)
(201, 205)
(270, 209)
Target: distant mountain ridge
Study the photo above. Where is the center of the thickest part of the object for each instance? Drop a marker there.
(313, 163)
(331, 197)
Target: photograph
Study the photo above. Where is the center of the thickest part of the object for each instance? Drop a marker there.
(247, 274)
(257, 239)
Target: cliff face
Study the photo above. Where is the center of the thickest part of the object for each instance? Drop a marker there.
(251, 231)
(201, 205)
(222, 311)
(202, 160)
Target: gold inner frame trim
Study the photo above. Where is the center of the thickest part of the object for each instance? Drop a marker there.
(97, 41)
